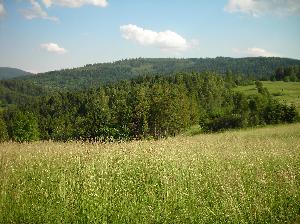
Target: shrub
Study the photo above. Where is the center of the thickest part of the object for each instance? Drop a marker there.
(224, 122)
(276, 113)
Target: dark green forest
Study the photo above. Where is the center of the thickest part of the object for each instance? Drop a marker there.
(18, 91)
(143, 99)
(94, 75)
(287, 74)
(142, 108)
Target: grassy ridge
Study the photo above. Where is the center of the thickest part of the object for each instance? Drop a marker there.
(250, 176)
(288, 92)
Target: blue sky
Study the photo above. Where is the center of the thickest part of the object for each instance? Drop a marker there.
(43, 35)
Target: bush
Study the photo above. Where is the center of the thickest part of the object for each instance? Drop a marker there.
(286, 79)
(276, 113)
(290, 114)
(230, 121)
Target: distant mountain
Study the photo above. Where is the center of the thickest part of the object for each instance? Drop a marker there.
(97, 74)
(10, 73)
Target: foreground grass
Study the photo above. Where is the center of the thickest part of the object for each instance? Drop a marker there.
(250, 176)
(286, 92)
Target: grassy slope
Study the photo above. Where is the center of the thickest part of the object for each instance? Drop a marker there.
(250, 176)
(288, 92)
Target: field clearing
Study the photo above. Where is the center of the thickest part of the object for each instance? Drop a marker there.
(248, 176)
(287, 92)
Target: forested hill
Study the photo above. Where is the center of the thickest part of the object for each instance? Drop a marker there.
(19, 91)
(9, 73)
(103, 73)
(142, 108)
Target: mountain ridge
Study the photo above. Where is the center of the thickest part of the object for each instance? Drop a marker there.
(10, 73)
(102, 73)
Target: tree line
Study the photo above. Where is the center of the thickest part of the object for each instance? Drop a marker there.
(142, 108)
(287, 74)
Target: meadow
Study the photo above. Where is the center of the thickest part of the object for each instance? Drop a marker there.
(285, 92)
(244, 176)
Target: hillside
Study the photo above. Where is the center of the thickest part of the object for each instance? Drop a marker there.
(19, 92)
(150, 107)
(286, 92)
(10, 73)
(96, 74)
(249, 176)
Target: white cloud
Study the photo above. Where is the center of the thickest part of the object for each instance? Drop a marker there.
(2, 9)
(166, 40)
(37, 12)
(53, 48)
(75, 3)
(255, 52)
(261, 7)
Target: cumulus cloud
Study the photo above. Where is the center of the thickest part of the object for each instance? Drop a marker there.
(36, 11)
(261, 7)
(255, 52)
(75, 3)
(53, 48)
(2, 9)
(166, 40)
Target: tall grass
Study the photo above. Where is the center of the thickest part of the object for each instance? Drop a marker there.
(250, 176)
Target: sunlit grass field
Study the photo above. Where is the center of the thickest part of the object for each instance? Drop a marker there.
(249, 176)
(286, 92)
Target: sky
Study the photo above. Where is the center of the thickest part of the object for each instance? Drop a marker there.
(44, 35)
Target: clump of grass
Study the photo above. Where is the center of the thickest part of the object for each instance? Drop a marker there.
(250, 176)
